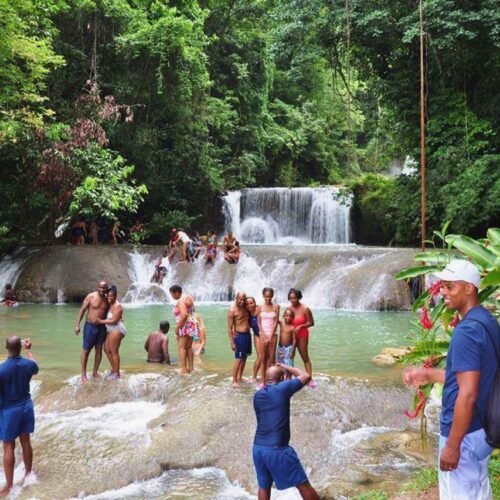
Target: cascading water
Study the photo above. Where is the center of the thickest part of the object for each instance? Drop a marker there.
(348, 278)
(288, 215)
(11, 266)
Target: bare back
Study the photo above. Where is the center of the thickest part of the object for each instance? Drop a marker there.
(156, 347)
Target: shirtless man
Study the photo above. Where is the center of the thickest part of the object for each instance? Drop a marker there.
(96, 306)
(239, 336)
(157, 345)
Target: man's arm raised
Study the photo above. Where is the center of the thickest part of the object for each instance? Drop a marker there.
(304, 378)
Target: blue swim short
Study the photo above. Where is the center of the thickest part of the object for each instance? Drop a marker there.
(17, 420)
(280, 465)
(93, 335)
(284, 355)
(243, 343)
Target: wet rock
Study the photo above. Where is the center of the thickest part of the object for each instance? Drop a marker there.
(384, 360)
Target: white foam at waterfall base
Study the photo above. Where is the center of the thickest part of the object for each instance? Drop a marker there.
(111, 421)
(207, 482)
(142, 291)
(10, 267)
(272, 215)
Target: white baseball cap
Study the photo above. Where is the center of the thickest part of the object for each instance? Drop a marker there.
(460, 270)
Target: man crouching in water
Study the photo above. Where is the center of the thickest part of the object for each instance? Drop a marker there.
(96, 306)
(239, 336)
(274, 459)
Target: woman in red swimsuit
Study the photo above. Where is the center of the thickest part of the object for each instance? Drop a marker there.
(302, 321)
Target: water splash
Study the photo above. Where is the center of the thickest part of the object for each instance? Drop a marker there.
(341, 277)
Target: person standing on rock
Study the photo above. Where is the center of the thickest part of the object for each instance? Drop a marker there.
(95, 306)
(471, 367)
(17, 417)
(274, 459)
(302, 321)
(240, 339)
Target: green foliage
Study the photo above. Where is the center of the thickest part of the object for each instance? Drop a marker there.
(433, 329)
(422, 481)
(106, 191)
(27, 57)
(162, 222)
(226, 94)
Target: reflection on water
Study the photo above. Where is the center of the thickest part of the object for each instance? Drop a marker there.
(155, 434)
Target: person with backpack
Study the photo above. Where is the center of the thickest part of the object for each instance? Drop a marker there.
(471, 370)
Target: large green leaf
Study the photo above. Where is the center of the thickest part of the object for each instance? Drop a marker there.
(476, 251)
(420, 301)
(493, 279)
(494, 236)
(487, 292)
(434, 257)
(411, 272)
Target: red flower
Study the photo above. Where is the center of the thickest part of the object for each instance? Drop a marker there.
(425, 319)
(454, 322)
(430, 362)
(420, 405)
(435, 289)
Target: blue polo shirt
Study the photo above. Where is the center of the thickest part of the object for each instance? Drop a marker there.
(15, 376)
(471, 350)
(272, 409)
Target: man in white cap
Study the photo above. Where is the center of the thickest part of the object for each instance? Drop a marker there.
(471, 366)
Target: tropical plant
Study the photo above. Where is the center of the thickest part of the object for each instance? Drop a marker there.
(435, 323)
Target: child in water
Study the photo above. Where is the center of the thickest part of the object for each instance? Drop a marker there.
(286, 347)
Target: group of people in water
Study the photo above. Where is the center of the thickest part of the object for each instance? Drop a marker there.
(276, 337)
(188, 249)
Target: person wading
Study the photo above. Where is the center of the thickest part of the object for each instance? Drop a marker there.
(17, 417)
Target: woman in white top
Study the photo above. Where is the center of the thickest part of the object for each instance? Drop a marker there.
(116, 331)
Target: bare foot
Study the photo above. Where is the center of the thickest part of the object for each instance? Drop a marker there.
(5, 491)
(235, 385)
(84, 379)
(96, 375)
(312, 384)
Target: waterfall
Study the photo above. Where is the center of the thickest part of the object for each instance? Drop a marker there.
(348, 277)
(288, 215)
(11, 266)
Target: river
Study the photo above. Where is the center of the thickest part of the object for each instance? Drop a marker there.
(155, 434)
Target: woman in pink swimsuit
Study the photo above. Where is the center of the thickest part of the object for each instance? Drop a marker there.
(302, 321)
(187, 327)
(268, 325)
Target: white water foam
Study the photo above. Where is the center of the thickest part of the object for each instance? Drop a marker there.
(10, 268)
(289, 215)
(111, 421)
(204, 483)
